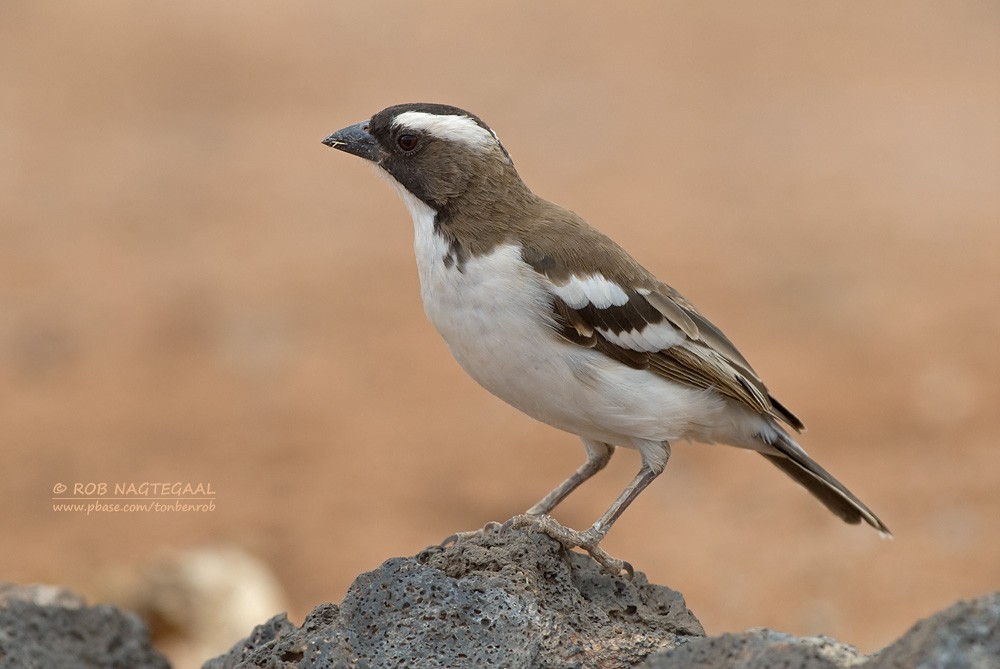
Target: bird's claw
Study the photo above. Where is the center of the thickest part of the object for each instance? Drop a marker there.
(459, 537)
(587, 540)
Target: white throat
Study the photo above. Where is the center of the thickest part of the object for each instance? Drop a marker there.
(428, 246)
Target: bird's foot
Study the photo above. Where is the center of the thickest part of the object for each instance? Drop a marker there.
(587, 540)
(459, 537)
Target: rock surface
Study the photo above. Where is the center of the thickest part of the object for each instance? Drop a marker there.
(504, 599)
(517, 599)
(501, 599)
(964, 636)
(44, 626)
(759, 648)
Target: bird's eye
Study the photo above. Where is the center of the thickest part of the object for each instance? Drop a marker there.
(407, 142)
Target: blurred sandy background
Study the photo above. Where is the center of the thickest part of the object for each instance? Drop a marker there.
(192, 288)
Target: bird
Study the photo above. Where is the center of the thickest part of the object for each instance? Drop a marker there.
(554, 318)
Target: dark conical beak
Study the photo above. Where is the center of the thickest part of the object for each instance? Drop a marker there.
(355, 139)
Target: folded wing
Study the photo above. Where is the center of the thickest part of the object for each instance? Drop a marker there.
(648, 325)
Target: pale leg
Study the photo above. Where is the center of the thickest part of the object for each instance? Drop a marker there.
(589, 539)
(598, 455)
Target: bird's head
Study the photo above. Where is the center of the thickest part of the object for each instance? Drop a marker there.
(438, 153)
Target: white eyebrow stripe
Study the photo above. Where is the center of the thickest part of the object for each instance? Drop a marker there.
(594, 289)
(448, 127)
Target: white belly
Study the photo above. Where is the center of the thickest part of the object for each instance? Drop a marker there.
(489, 315)
(493, 315)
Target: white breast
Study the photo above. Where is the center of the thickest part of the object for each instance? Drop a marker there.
(491, 311)
(494, 314)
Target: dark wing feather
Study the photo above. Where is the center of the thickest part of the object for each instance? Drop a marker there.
(697, 355)
(579, 326)
(834, 495)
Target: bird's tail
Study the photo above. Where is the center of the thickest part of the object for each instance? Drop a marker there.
(791, 459)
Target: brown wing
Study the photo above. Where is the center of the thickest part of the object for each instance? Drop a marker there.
(653, 327)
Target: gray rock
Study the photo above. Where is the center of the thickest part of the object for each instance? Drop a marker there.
(964, 636)
(45, 627)
(517, 600)
(503, 599)
(757, 649)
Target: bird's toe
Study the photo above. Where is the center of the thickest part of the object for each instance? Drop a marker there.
(588, 540)
(459, 537)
